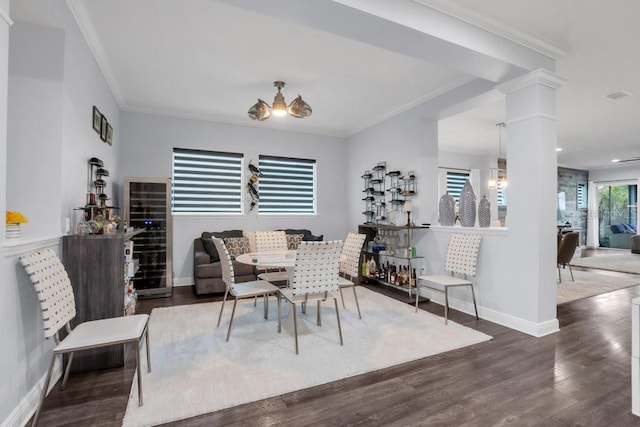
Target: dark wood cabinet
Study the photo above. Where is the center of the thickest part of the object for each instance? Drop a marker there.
(96, 267)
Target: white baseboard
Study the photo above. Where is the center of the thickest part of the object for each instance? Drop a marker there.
(28, 405)
(182, 281)
(512, 322)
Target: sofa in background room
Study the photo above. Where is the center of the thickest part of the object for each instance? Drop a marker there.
(207, 273)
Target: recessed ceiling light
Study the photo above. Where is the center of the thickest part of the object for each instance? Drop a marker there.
(615, 160)
(618, 95)
(558, 149)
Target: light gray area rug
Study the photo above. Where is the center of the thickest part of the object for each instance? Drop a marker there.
(590, 283)
(194, 371)
(623, 262)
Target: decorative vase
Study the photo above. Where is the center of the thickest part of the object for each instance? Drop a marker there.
(484, 212)
(467, 205)
(12, 231)
(447, 210)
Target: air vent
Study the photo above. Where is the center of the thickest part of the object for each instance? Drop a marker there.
(618, 95)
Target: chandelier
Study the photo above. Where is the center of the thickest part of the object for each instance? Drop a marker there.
(262, 111)
(498, 176)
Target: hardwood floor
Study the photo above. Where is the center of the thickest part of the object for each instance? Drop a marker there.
(580, 376)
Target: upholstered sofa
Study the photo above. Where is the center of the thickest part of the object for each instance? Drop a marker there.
(621, 235)
(207, 273)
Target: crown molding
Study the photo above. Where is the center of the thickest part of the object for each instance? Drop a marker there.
(80, 14)
(481, 21)
(5, 16)
(536, 77)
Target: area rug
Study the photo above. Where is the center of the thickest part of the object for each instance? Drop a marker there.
(590, 283)
(623, 262)
(195, 371)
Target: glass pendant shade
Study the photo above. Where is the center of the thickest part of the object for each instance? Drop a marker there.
(279, 107)
(299, 109)
(260, 111)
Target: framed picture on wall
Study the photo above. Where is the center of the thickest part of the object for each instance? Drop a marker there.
(109, 134)
(97, 119)
(103, 128)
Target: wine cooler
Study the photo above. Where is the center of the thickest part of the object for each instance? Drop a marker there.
(147, 205)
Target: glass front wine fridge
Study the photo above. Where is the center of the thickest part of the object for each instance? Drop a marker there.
(147, 205)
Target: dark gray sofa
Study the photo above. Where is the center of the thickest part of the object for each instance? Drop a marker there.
(207, 273)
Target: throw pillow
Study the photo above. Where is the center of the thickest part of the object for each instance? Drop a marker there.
(293, 240)
(237, 246)
(251, 235)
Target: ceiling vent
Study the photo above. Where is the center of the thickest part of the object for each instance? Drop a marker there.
(618, 95)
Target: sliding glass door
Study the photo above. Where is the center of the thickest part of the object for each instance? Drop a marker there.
(617, 214)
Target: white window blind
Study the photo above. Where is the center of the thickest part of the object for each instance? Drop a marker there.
(206, 181)
(501, 196)
(582, 196)
(455, 182)
(287, 186)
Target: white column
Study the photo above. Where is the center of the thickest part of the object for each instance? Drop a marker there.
(531, 206)
(5, 22)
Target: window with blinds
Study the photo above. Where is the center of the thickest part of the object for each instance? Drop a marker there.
(501, 197)
(206, 182)
(455, 182)
(287, 186)
(582, 196)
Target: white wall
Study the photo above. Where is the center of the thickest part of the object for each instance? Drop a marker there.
(616, 174)
(148, 143)
(53, 84)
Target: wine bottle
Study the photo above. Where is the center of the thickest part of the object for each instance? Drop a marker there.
(414, 279)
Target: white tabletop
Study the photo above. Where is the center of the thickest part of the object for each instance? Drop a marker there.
(269, 258)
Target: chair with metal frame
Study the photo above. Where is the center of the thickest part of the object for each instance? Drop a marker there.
(255, 288)
(315, 278)
(57, 303)
(566, 250)
(272, 241)
(350, 265)
(460, 260)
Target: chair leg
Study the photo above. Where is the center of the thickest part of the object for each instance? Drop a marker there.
(233, 311)
(342, 297)
(318, 317)
(265, 299)
(417, 296)
(138, 372)
(559, 275)
(295, 326)
(226, 291)
(446, 304)
(335, 301)
(355, 295)
(67, 371)
(571, 271)
(279, 315)
(473, 295)
(147, 344)
(36, 416)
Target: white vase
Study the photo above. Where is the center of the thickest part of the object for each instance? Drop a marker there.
(467, 205)
(12, 231)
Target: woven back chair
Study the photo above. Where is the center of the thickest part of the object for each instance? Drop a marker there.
(57, 303)
(242, 290)
(271, 241)
(350, 265)
(315, 278)
(460, 260)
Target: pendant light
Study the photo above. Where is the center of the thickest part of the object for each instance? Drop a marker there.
(497, 176)
(262, 111)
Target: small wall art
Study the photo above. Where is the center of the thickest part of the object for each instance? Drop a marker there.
(109, 134)
(103, 128)
(97, 119)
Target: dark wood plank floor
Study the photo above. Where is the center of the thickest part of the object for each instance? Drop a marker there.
(577, 377)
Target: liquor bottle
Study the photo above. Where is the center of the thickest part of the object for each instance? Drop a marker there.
(392, 275)
(414, 279)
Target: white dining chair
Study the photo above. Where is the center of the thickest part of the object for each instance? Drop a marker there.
(272, 241)
(460, 262)
(350, 265)
(252, 289)
(57, 303)
(315, 278)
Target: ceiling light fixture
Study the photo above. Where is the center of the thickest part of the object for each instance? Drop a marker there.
(498, 176)
(262, 111)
